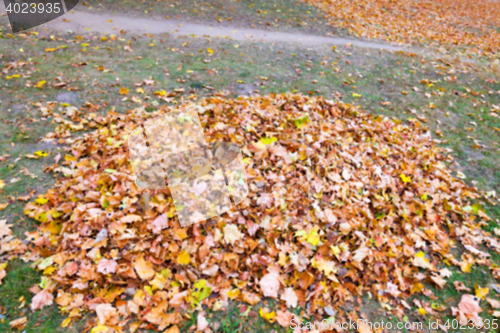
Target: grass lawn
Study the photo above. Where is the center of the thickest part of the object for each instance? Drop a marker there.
(455, 100)
(287, 15)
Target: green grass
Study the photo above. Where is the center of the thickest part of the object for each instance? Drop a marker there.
(232, 69)
(15, 298)
(234, 320)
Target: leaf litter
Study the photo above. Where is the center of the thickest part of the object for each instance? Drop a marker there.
(341, 204)
(446, 23)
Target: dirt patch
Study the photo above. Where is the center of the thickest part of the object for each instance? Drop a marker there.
(68, 97)
(246, 89)
(17, 109)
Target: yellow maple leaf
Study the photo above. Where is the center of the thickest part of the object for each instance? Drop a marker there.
(66, 322)
(101, 329)
(159, 281)
(40, 84)
(184, 258)
(313, 237)
(41, 153)
(210, 51)
(481, 292)
(233, 293)
(161, 93)
(335, 249)
(49, 270)
(70, 158)
(417, 287)
(421, 261)
(41, 200)
(422, 311)
(269, 316)
(149, 290)
(268, 141)
(53, 226)
(123, 91)
(283, 259)
(465, 266)
(405, 179)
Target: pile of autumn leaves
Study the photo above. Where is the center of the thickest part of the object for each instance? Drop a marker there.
(341, 203)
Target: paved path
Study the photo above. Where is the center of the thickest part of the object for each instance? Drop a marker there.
(80, 21)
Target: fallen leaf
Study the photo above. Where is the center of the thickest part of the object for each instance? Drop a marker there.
(102, 329)
(270, 285)
(105, 312)
(493, 303)
(439, 281)
(202, 322)
(183, 258)
(420, 260)
(4, 228)
(469, 309)
(159, 224)
(290, 297)
(250, 298)
(144, 268)
(43, 298)
(481, 292)
(445, 273)
(3, 272)
(40, 84)
(19, 323)
(231, 234)
(173, 329)
(284, 318)
(106, 266)
(267, 315)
